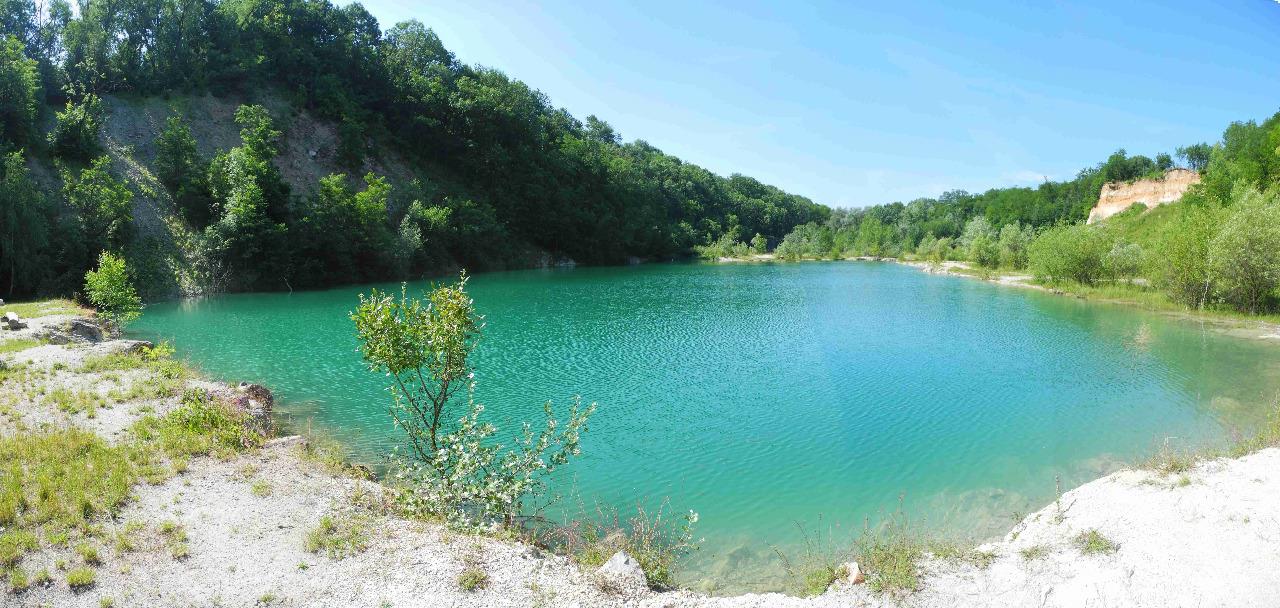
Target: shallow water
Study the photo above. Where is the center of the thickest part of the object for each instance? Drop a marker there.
(780, 401)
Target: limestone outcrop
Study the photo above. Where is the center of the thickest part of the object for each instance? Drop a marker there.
(1118, 196)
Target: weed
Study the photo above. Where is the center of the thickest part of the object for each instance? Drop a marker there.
(1034, 552)
(18, 345)
(14, 544)
(891, 554)
(1092, 542)
(18, 580)
(42, 578)
(106, 602)
(473, 578)
(655, 541)
(813, 571)
(260, 488)
(80, 579)
(338, 537)
(88, 553)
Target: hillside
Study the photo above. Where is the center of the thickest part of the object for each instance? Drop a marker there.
(1152, 192)
(302, 146)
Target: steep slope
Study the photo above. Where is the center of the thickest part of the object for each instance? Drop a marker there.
(1118, 196)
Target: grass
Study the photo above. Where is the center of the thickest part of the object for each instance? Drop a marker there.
(18, 345)
(1035, 552)
(890, 554)
(260, 488)
(812, 571)
(18, 580)
(75, 402)
(1092, 542)
(654, 540)
(59, 485)
(44, 308)
(472, 579)
(338, 537)
(80, 579)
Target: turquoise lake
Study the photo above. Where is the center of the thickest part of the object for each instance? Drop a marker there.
(775, 397)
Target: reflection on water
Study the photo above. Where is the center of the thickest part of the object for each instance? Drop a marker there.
(766, 396)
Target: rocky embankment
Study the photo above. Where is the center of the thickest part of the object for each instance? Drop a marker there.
(1118, 196)
(277, 526)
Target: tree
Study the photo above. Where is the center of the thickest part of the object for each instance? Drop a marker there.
(1196, 156)
(103, 203)
(24, 225)
(75, 135)
(981, 242)
(1014, 240)
(759, 244)
(452, 466)
(1164, 162)
(182, 171)
(19, 93)
(110, 290)
(1244, 256)
(1069, 253)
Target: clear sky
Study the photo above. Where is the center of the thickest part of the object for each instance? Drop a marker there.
(859, 103)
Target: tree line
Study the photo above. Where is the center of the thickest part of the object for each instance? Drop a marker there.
(1218, 247)
(501, 171)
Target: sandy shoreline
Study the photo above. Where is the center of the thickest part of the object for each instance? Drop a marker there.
(1208, 537)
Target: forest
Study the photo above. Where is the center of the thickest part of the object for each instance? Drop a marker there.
(1218, 247)
(500, 174)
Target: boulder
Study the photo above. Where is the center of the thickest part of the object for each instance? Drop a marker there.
(137, 346)
(855, 575)
(84, 330)
(621, 574)
(12, 321)
(256, 401)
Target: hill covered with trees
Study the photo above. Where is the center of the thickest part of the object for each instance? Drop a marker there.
(492, 174)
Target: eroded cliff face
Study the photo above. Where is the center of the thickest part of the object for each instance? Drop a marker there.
(1118, 196)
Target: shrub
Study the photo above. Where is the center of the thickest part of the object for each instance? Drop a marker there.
(1244, 256)
(891, 554)
(1124, 260)
(75, 136)
(110, 289)
(104, 204)
(452, 468)
(1014, 239)
(1069, 253)
(1182, 267)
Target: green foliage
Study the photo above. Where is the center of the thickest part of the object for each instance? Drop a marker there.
(1182, 268)
(891, 553)
(453, 468)
(80, 579)
(110, 289)
(1195, 156)
(104, 206)
(1013, 243)
(654, 539)
(25, 225)
(75, 136)
(1070, 253)
(981, 242)
(182, 171)
(1244, 256)
(1092, 542)
(20, 93)
(338, 537)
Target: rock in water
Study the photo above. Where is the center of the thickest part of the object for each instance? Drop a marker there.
(622, 574)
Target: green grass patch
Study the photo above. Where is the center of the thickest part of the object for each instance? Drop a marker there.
(338, 537)
(18, 581)
(18, 345)
(472, 579)
(1034, 552)
(811, 571)
(75, 402)
(890, 554)
(655, 540)
(201, 426)
(80, 579)
(44, 308)
(1092, 542)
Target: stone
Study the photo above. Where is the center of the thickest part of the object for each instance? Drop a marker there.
(621, 574)
(85, 330)
(137, 346)
(12, 321)
(855, 576)
(256, 401)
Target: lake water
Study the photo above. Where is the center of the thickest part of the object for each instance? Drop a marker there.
(775, 397)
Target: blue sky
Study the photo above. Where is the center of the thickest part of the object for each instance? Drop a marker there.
(854, 103)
